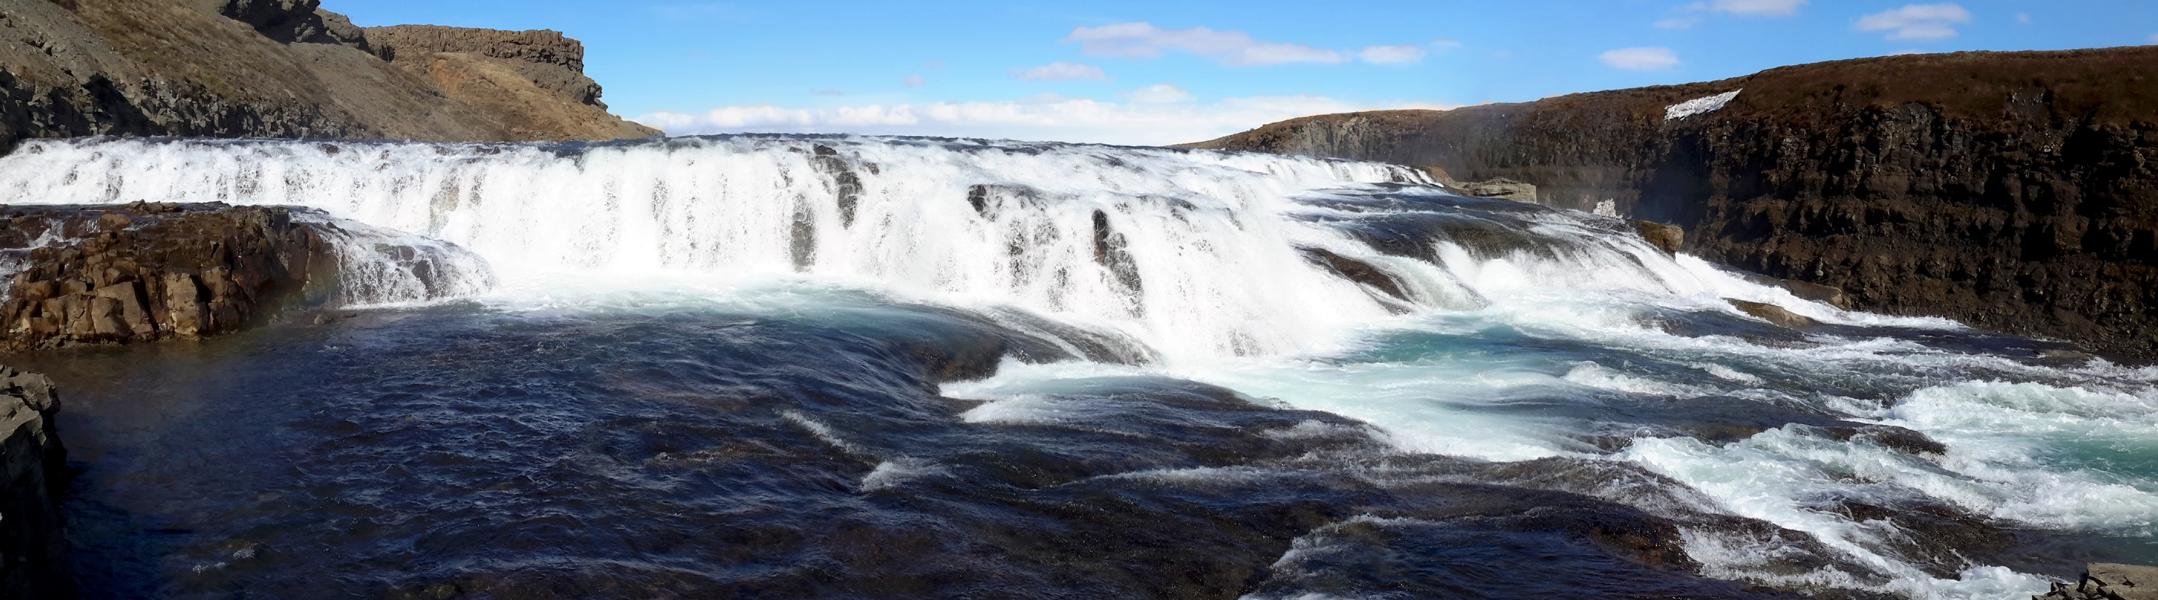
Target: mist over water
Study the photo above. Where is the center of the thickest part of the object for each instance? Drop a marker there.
(1381, 348)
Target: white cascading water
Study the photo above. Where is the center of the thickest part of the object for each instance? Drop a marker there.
(1205, 257)
(1218, 266)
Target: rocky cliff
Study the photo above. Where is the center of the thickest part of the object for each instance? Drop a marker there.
(2014, 191)
(247, 68)
(535, 79)
(32, 548)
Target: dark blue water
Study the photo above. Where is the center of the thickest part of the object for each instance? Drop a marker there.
(465, 452)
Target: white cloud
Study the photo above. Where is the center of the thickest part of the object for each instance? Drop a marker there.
(914, 80)
(1233, 48)
(1762, 8)
(1041, 118)
(1640, 59)
(2023, 18)
(1917, 22)
(1392, 55)
(1678, 23)
(2154, 38)
(1062, 71)
(1160, 93)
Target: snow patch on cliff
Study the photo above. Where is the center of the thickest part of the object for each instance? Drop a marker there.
(1698, 106)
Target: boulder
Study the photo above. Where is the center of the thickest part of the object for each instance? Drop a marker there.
(1772, 313)
(1500, 187)
(1665, 237)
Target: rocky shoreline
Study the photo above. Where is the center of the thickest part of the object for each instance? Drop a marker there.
(32, 546)
(2013, 191)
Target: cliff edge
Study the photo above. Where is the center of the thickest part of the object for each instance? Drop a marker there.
(534, 79)
(251, 68)
(2016, 191)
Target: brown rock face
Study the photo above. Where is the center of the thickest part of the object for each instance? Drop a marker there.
(32, 462)
(237, 68)
(2013, 191)
(147, 272)
(533, 79)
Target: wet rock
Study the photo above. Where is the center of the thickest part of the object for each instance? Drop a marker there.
(2108, 581)
(1891, 437)
(176, 271)
(32, 464)
(1111, 251)
(846, 185)
(1940, 538)
(1665, 237)
(1772, 313)
(1358, 271)
(1817, 293)
(1500, 187)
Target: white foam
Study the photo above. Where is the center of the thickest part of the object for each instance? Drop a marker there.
(1698, 106)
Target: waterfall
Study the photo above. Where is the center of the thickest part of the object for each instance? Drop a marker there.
(1199, 253)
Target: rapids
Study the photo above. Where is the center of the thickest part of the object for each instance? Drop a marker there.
(1401, 346)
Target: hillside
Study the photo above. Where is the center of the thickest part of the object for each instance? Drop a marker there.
(257, 68)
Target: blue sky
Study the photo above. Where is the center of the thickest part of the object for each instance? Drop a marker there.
(1165, 72)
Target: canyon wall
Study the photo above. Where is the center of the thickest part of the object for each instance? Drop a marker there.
(2016, 191)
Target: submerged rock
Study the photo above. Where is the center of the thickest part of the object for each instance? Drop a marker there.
(32, 463)
(1358, 271)
(1772, 313)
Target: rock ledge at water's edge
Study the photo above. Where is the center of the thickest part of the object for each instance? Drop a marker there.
(145, 272)
(2015, 191)
(32, 464)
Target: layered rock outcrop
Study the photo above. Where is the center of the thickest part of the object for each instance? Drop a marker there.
(534, 79)
(2013, 191)
(239, 68)
(32, 463)
(145, 272)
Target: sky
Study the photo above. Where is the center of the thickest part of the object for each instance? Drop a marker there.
(1150, 72)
